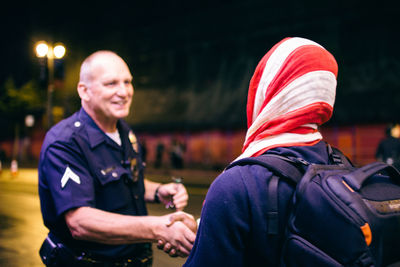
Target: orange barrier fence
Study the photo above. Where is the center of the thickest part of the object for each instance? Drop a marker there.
(216, 148)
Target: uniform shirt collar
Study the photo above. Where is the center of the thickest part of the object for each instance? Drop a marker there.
(95, 135)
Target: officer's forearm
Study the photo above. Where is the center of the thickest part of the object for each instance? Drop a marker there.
(95, 225)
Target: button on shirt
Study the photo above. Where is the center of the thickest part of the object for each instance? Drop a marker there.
(80, 166)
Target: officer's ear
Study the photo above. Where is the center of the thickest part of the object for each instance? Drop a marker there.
(83, 91)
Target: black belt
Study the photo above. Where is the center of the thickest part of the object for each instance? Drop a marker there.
(57, 254)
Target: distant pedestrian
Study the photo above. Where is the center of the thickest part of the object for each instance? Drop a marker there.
(2, 159)
(176, 154)
(143, 148)
(159, 155)
(388, 149)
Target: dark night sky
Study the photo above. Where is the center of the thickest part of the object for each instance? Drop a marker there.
(359, 33)
(86, 26)
(91, 25)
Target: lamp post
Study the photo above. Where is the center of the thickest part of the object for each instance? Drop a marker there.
(50, 52)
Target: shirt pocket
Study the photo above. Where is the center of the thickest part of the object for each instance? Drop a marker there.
(114, 193)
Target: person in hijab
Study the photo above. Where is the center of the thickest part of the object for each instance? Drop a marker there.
(291, 93)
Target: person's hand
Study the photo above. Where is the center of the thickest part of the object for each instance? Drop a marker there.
(173, 195)
(167, 248)
(181, 246)
(184, 217)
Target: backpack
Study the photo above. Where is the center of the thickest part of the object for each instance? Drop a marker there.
(340, 215)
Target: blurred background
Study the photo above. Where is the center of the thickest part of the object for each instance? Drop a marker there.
(192, 62)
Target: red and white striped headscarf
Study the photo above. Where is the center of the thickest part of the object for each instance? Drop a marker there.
(291, 92)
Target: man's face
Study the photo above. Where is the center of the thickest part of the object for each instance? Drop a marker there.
(110, 89)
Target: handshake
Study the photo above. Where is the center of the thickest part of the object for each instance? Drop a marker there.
(177, 231)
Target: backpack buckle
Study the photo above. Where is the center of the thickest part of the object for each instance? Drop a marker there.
(336, 159)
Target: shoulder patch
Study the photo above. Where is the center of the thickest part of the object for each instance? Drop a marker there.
(69, 174)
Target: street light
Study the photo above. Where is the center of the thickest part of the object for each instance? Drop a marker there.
(50, 52)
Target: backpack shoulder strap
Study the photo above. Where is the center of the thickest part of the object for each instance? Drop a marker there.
(288, 168)
(281, 167)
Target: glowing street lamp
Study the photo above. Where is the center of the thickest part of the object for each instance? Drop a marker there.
(59, 51)
(42, 49)
(51, 52)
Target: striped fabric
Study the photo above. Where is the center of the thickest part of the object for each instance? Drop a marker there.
(291, 92)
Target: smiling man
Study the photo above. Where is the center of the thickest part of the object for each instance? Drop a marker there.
(91, 183)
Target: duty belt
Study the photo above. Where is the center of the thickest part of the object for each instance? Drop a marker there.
(57, 254)
(87, 260)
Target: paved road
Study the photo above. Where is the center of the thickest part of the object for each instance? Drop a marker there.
(22, 230)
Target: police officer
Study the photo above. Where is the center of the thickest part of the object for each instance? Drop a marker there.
(91, 185)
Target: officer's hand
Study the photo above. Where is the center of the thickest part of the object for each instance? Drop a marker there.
(173, 195)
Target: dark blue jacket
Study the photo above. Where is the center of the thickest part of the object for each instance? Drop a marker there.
(80, 166)
(233, 226)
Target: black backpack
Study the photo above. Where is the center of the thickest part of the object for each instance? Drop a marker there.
(340, 216)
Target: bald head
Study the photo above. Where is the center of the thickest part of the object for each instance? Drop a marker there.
(105, 88)
(92, 63)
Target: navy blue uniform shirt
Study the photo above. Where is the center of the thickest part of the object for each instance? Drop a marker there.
(233, 226)
(80, 166)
